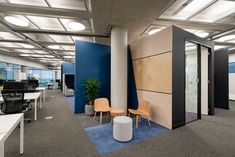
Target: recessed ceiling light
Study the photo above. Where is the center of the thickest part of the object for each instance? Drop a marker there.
(153, 31)
(76, 26)
(54, 47)
(17, 20)
(25, 45)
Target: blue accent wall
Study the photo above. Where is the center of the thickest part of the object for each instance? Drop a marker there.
(68, 68)
(92, 61)
(231, 67)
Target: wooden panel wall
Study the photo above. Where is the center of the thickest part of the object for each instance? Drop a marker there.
(152, 63)
(154, 73)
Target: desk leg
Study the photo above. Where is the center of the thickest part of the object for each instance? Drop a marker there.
(40, 101)
(44, 95)
(35, 109)
(2, 149)
(22, 136)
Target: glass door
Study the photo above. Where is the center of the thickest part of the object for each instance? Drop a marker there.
(191, 82)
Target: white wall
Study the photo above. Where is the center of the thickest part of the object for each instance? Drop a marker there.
(232, 80)
(14, 60)
(204, 81)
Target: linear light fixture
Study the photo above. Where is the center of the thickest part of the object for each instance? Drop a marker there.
(192, 8)
(55, 47)
(215, 12)
(226, 38)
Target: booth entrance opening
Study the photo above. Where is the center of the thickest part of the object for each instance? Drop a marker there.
(196, 81)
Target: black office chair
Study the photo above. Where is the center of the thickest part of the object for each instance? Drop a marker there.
(14, 102)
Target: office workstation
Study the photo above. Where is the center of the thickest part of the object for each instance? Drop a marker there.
(117, 78)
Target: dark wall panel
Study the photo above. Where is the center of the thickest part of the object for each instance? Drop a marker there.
(221, 79)
(132, 92)
(66, 68)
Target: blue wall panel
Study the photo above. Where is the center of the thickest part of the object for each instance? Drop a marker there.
(231, 67)
(92, 61)
(68, 68)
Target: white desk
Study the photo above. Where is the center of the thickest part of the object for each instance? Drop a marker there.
(43, 90)
(8, 124)
(31, 96)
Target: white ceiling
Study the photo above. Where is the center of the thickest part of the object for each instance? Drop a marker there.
(48, 21)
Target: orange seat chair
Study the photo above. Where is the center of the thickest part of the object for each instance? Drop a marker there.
(101, 105)
(143, 111)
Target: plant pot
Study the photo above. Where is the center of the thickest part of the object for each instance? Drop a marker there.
(89, 110)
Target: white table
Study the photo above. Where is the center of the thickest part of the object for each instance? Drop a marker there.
(43, 90)
(31, 96)
(8, 124)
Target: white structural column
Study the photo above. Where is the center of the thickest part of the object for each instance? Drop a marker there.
(119, 68)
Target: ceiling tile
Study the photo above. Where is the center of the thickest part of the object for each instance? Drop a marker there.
(23, 51)
(6, 44)
(61, 38)
(69, 48)
(30, 2)
(68, 4)
(39, 37)
(9, 36)
(47, 23)
(40, 51)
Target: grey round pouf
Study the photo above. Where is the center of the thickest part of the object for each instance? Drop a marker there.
(122, 128)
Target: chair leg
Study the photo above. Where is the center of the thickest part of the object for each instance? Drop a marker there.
(94, 115)
(137, 121)
(100, 117)
(149, 122)
(111, 120)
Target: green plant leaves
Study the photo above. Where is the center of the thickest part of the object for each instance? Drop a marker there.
(92, 86)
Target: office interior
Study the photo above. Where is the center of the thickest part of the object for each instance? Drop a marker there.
(117, 78)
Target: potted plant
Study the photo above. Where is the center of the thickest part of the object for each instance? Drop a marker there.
(91, 86)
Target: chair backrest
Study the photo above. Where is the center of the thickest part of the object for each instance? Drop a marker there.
(144, 106)
(101, 104)
(14, 86)
(13, 101)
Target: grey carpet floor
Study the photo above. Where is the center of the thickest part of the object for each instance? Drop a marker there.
(64, 136)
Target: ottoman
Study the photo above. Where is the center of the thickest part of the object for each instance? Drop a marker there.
(122, 128)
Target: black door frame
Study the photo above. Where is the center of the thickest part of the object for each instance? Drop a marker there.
(198, 82)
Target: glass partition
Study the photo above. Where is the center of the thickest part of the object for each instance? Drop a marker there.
(44, 76)
(191, 82)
